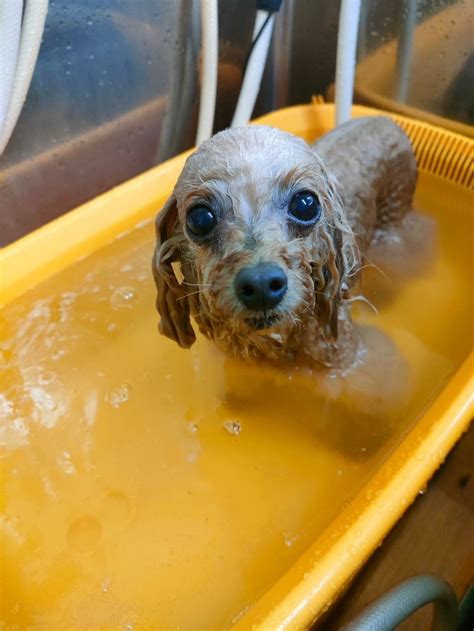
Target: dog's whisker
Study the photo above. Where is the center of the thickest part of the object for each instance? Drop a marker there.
(372, 264)
(362, 298)
(202, 285)
(359, 269)
(193, 293)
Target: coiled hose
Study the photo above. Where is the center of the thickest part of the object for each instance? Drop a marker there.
(398, 604)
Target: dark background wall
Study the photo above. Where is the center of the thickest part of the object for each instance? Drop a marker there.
(116, 89)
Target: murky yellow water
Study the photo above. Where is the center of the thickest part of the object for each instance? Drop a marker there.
(147, 486)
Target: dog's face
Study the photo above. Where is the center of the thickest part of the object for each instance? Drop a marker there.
(258, 228)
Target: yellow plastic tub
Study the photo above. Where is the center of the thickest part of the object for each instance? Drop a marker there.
(148, 487)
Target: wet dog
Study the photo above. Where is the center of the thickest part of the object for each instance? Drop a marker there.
(264, 236)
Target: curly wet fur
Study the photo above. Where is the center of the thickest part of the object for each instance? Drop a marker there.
(364, 174)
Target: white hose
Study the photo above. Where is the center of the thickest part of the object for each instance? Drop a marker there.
(10, 30)
(31, 34)
(210, 43)
(346, 58)
(255, 67)
(405, 51)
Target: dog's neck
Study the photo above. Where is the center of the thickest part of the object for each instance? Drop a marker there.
(320, 349)
(308, 345)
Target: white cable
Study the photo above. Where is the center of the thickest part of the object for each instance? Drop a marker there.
(10, 32)
(31, 34)
(346, 58)
(210, 43)
(255, 67)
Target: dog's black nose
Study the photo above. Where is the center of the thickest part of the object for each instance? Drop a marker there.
(261, 287)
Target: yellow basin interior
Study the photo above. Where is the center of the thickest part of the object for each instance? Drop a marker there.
(148, 487)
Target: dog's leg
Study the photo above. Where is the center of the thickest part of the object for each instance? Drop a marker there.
(404, 240)
(403, 243)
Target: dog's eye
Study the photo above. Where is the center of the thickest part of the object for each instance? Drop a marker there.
(201, 221)
(305, 208)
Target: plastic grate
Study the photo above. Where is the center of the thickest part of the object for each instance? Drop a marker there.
(440, 152)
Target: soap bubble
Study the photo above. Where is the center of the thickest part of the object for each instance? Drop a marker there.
(119, 395)
(124, 298)
(233, 427)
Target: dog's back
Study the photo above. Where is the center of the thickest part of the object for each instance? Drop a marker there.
(373, 162)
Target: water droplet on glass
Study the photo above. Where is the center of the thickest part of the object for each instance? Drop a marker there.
(192, 427)
(124, 298)
(119, 395)
(233, 427)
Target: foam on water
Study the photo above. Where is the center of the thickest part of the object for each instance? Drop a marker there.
(119, 395)
(124, 298)
(233, 427)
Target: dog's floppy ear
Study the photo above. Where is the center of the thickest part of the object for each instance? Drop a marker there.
(333, 280)
(339, 275)
(172, 302)
(328, 285)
